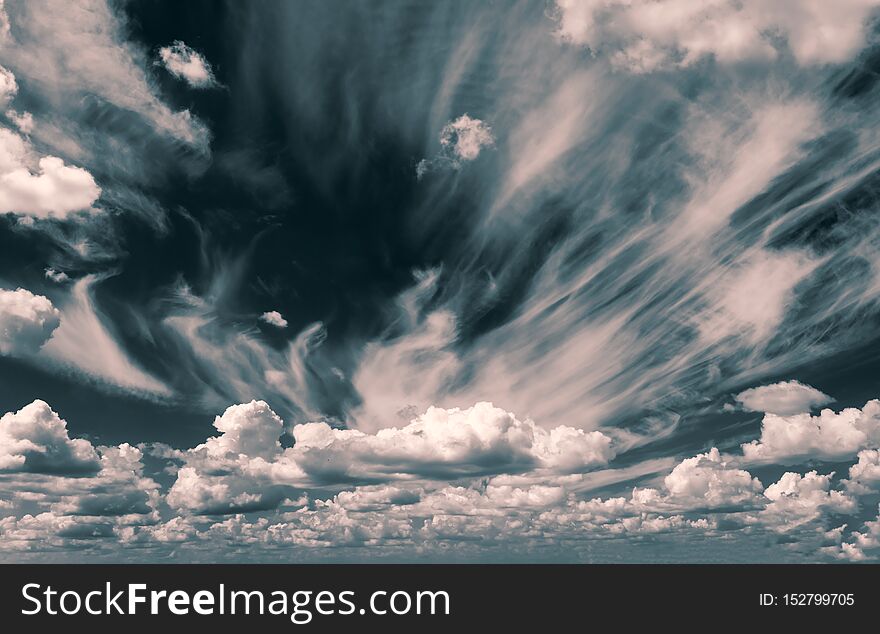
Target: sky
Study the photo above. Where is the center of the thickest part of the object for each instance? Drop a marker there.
(546, 280)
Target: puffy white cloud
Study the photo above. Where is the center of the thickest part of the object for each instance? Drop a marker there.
(465, 137)
(828, 436)
(26, 321)
(55, 189)
(645, 35)
(185, 63)
(461, 140)
(482, 439)
(34, 439)
(785, 398)
(709, 480)
(51, 189)
(798, 499)
(864, 476)
(244, 468)
(274, 318)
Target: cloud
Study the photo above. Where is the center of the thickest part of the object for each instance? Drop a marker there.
(798, 499)
(55, 189)
(8, 87)
(246, 467)
(646, 35)
(185, 63)
(864, 476)
(466, 137)
(448, 443)
(461, 141)
(707, 479)
(828, 436)
(35, 440)
(26, 321)
(59, 277)
(274, 318)
(71, 49)
(785, 398)
(85, 343)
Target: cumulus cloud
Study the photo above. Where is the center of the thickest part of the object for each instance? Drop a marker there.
(55, 189)
(798, 499)
(482, 439)
(246, 467)
(461, 141)
(35, 439)
(864, 475)
(51, 188)
(785, 398)
(646, 35)
(26, 321)
(828, 436)
(709, 480)
(185, 63)
(274, 318)
(466, 137)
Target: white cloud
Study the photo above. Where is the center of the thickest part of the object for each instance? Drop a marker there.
(828, 436)
(709, 480)
(482, 439)
(785, 398)
(59, 277)
(245, 467)
(466, 137)
(751, 299)
(84, 342)
(69, 49)
(798, 499)
(645, 35)
(24, 121)
(55, 189)
(26, 321)
(864, 476)
(185, 63)
(242, 468)
(274, 318)
(34, 439)
(461, 141)
(8, 87)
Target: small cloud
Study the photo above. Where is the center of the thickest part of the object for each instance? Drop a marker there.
(185, 63)
(461, 141)
(466, 137)
(785, 398)
(274, 318)
(59, 277)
